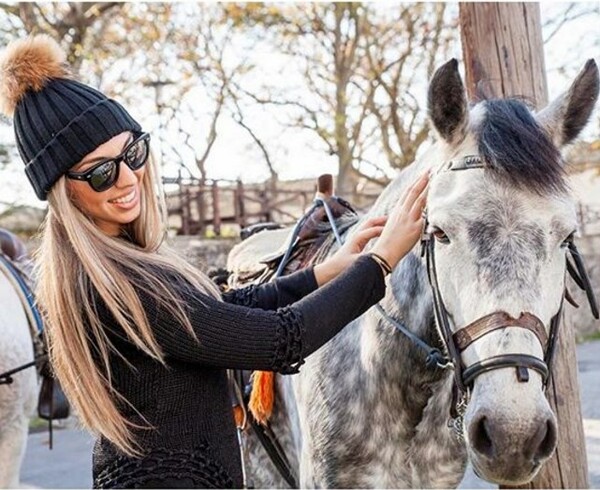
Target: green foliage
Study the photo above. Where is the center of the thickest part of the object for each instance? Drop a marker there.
(590, 337)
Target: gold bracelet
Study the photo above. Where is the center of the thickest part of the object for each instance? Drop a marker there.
(387, 268)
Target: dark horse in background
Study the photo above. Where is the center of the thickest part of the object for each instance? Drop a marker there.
(365, 411)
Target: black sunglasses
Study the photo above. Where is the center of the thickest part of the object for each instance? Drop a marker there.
(104, 174)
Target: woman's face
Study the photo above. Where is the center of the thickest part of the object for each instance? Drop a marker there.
(118, 205)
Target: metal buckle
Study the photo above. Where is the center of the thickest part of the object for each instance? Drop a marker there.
(465, 163)
(449, 364)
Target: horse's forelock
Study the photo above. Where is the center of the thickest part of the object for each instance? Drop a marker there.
(518, 150)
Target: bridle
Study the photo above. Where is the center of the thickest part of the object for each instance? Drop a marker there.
(456, 342)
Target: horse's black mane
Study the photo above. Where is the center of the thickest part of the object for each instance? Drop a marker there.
(518, 149)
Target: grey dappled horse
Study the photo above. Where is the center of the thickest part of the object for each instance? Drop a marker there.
(365, 411)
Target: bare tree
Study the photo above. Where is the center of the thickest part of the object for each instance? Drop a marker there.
(420, 44)
(70, 23)
(571, 12)
(358, 64)
(185, 56)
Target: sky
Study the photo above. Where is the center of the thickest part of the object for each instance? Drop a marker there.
(298, 155)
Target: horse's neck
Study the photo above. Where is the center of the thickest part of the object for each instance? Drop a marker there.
(387, 356)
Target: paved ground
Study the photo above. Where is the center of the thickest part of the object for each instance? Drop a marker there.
(68, 465)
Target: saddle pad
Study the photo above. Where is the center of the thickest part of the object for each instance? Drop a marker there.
(250, 256)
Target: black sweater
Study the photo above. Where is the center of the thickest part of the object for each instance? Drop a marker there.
(268, 327)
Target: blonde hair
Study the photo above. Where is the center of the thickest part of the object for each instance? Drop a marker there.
(76, 256)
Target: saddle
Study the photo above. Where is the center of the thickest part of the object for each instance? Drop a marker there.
(301, 243)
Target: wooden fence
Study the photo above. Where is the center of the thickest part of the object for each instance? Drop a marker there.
(198, 205)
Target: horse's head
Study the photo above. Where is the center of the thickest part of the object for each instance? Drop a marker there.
(500, 226)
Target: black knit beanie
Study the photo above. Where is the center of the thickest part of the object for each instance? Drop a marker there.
(57, 120)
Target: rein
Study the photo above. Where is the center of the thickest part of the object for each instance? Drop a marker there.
(434, 357)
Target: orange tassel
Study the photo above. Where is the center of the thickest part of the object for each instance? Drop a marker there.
(262, 397)
(238, 414)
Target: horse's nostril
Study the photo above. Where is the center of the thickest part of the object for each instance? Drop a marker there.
(543, 442)
(481, 439)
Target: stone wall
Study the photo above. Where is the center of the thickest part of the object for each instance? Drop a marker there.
(204, 253)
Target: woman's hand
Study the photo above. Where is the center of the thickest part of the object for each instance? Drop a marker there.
(405, 223)
(350, 250)
(397, 234)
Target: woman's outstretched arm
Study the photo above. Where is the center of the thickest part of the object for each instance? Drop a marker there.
(275, 294)
(234, 336)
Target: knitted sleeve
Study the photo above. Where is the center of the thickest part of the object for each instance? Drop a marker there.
(235, 336)
(275, 294)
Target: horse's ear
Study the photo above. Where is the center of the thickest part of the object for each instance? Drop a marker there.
(447, 102)
(567, 115)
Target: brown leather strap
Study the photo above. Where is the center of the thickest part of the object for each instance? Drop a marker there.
(494, 321)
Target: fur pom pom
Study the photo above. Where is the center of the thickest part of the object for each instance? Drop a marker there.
(28, 64)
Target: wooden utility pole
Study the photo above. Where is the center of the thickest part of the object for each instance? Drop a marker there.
(504, 56)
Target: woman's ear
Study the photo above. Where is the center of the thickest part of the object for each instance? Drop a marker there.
(567, 115)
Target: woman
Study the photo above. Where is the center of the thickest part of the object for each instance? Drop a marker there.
(138, 338)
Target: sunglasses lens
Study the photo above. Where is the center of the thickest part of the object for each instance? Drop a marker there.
(104, 176)
(137, 155)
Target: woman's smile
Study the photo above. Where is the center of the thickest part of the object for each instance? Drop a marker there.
(127, 201)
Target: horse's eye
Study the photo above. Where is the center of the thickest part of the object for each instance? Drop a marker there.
(440, 235)
(568, 240)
